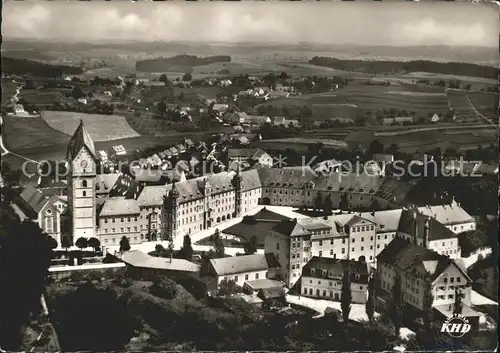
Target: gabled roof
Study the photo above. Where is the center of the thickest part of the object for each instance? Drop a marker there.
(80, 138)
(356, 219)
(413, 221)
(247, 263)
(137, 258)
(118, 206)
(447, 214)
(336, 267)
(105, 182)
(410, 257)
(32, 201)
(291, 228)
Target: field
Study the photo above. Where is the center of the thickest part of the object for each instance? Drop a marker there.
(463, 103)
(420, 100)
(100, 127)
(35, 97)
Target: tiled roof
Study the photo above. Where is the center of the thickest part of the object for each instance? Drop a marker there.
(447, 214)
(335, 268)
(137, 258)
(409, 257)
(394, 190)
(265, 283)
(266, 215)
(105, 182)
(247, 263)
(80, 138)
(191, 189)
(32, 200)
(126, 186)
(294, 178)
(117, 206)
(413, 221)
(291, 228)
(272, 293)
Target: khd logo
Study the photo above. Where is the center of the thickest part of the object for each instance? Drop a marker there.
(456, 326)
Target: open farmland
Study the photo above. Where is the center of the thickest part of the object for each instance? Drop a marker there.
(42, 97)
(465, 105)
(22, 134)
(421, 100)
(100, 127)
(426, 139)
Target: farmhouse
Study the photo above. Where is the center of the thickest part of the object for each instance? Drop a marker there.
(322, 278)
(250, 155)
(435, 118)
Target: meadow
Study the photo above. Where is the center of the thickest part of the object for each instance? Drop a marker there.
(100, 127)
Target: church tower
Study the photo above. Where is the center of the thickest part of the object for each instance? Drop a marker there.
(81, 157)
(169, 214)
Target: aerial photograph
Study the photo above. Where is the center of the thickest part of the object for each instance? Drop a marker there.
(249, 176)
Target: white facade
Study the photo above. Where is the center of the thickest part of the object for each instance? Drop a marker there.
(331, 288)
(81, 195)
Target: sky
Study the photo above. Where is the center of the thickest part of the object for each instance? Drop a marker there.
(365, 23)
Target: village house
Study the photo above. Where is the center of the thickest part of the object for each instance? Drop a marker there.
(249, 155)
(435, 118)
(322, 279)
(398, 120)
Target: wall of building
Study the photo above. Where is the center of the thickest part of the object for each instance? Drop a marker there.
(331, 288)
(113, 228)
(445, 284)
(448, 247)
(241, 278)
(461, 227)
(279, 245)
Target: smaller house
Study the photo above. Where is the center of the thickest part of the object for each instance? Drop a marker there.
(103, 156)
(188, 144)
(82, 100)
(322, 278)
(225, 83)
(250, 154)
(242, 269)
(119, 150)
(435, 118)
(143, 265)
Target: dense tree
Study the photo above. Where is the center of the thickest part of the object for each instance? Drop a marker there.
(163, 287)
(218, 244)
(457, 305)
(318, 202)
(77, 92)
(65, 241)
(94, 243)
(344, 202)
(187, 248)
(81, 243)
(187, 77)
(25, 254)
(396, 308)
(375, 147)
(346, 296)
(428, 310)
(370, 302)
(228, 287)
(159, 247)
(251, 246)
(124, 244)
(328, 206)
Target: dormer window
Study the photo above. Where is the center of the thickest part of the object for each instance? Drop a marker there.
(49, 211)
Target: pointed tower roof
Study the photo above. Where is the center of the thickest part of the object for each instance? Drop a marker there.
(80, 138)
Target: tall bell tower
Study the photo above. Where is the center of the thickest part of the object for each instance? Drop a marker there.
(82, 160)
(169, 215)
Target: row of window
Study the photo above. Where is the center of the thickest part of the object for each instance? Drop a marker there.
(246, 277)
(362, 228)
(114, 240)
(122, 219)
(113, 230)
(309, 291)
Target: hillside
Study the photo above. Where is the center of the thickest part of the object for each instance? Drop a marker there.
(382, 67)
(28, 67)
(164, 64)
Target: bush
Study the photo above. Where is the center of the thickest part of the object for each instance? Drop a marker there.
(164, 288)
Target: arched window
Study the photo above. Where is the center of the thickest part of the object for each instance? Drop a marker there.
(84, 193)
(84, 183)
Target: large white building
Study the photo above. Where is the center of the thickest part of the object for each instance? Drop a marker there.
(418, 267)
(355, 236)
